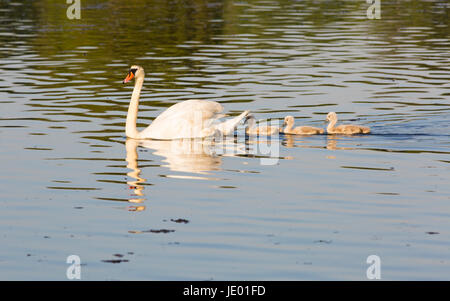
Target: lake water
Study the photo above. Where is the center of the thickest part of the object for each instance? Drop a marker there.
(72, 184)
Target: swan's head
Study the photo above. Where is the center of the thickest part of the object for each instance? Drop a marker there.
(332, 116)
(134, 72)
(288, 120)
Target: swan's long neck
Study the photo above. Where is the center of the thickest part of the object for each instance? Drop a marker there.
(288, 127)
(331, 125)
(130, 128)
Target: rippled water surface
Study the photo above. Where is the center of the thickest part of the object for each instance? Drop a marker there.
(71, 183)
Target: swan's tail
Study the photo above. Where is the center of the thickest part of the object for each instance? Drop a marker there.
(228, 127)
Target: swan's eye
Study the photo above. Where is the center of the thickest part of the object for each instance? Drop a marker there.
(133, 71)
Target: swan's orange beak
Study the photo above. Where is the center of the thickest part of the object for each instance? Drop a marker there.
(129, 77)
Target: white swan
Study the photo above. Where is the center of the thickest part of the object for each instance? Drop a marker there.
(299, 130)
(346, 129)
(186, 119)
(264, 130)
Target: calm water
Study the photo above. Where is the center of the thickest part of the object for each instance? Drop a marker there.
(71, 183)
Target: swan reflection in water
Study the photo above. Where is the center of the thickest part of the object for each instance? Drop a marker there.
(186, 155)
(195, 156)
(135, 184)
(332, 142)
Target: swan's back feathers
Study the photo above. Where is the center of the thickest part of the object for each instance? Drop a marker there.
(190, 119)
(351, 129)
(306, 130)
(208, 108)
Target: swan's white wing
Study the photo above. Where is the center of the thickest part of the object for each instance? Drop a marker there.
(186, 119)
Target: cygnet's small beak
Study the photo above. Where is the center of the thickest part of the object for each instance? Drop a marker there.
(129, 77)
